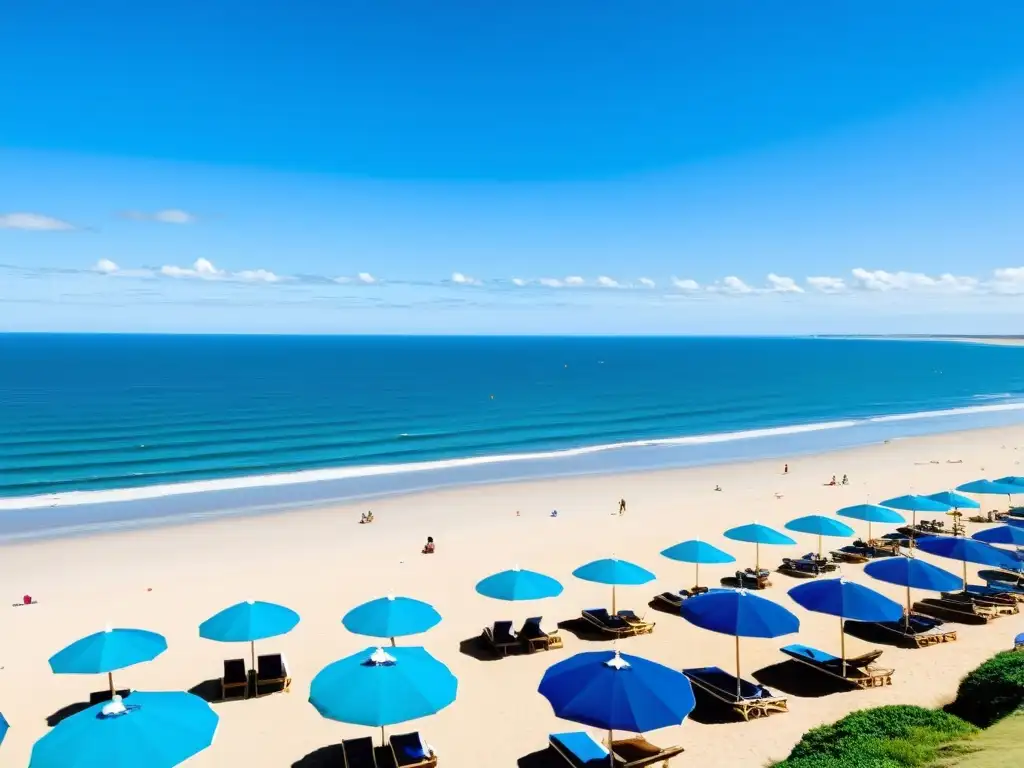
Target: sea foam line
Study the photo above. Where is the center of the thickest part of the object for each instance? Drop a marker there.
(74, 498)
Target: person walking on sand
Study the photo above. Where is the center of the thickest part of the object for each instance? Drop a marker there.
(785, 469)
(622, 506)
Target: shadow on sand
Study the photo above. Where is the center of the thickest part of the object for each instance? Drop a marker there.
(542, 758)
(476, 648)
(794, 679)
(583, 630)
(73, 709)
(324, 757)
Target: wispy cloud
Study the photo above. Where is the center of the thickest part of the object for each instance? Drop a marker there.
(882, 281)
(575, 280)
(165, 216)
(732, 286)
(204, 269)
(826, 284)
(685, 284)
(34, 222)
(779, 284)
(646, 282)
(607, 282)
(460, 278)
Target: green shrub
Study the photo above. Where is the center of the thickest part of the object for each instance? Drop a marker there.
(884, 737)
(992, 691)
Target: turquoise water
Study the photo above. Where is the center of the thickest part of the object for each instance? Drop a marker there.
(101, 412)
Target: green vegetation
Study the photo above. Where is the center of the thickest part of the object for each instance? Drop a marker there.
(1000, 746)
(884, 737)
(992, 691)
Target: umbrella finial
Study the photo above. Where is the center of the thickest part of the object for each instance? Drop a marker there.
(391, 597)
(114, 708)
(516, 568)
(617, 662)
(380, 658)
(742, 591)
(108, 629)
(250, 601)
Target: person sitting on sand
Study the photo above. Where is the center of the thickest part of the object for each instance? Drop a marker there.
(718, 487)
(367, 518)
(846, 480)
(833, 481)
(428, 549)
(554, 513)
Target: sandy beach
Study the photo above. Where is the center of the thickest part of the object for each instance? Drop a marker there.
(322, 563)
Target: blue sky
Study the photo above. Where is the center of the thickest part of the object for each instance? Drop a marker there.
(593, 167)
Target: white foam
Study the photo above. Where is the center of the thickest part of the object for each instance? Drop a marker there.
(74, 498)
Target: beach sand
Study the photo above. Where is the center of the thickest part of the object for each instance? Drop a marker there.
(322, 563)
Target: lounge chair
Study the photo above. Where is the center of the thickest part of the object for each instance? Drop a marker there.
(272, 671)
(501, 638)
(861, 676)
(995, 590)
(638, 752)
(536, 639)
(637, 623)
(1004, 605)
(919, 631)
(580, 749)
(670, 601)
(235, 680)
(608, 624)
(799, 568)
(748, 580)
(750, 701)
(851, 554)
(953, 610)
(359, 753)
(823, 563)
(410, 751)
(883, 546)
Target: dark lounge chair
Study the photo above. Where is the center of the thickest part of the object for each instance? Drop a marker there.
(608, 624)
(919, 631)
(536, 639)
(749, 580)
(580, 749)
(852, 554)
(235, 680)
(864, 675)
(800, 568)
(271, 672)
(637, 623)
(410, 751)
(955, 610)
(359, 753)
(638, 752)
(1004, 604)
(500, 637)
(749, 701)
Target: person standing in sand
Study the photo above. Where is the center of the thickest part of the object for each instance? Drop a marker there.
(622, 506)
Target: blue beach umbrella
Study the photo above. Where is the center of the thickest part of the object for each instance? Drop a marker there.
(911, 572)
(872, 513)
(954, 500)
(739, 613)
(157, 730)
(913, 505)
(967, 551)
(614, 572)
(758, 534)
(519, 585)
(613, 691)
(990, 488)
(1010, 480)
(107, 651)
(3, 727)
(247, 622)
(819, 525)
(847, 600)
(391, 617)
(1002, 534)
(377, 688)
(697, 552)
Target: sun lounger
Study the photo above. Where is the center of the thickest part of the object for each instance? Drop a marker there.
(864, 659)
(884, 546)
(752, 700)
(1002, 579)
(580, 749)
(800, 568)
(608, 624)
(637, 623)
(919, 631)
(950, 610)
(536, 639)
(272, 671)
(501, 638)
(995, 590)
(410, 751)
(749, 580)
(823, 563)
(670, 601)
(235, 680)
(1004, 605)
(638, 752)
(861, 676)
(855, 555)
(359, 753)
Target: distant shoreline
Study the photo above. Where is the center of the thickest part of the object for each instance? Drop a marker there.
(996, 341)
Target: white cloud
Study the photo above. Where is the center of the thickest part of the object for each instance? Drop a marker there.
(165, 216)
(462, 279)
(779, 284)
(33, 222)
(646, 282)
(731, 285)
(204, 269)
(607, 282)
(1008, 280)
(880, 280)
(550, 282)
(518, 281)
(257, 276)
(574, 280)
(366, 278)
(827, 284)
(685, 285)
(106, 266)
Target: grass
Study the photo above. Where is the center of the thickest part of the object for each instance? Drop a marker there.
(1000, 746)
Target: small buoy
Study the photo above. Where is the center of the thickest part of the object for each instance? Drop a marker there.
(492, 397)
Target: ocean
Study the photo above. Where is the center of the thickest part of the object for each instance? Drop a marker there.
(108, 418)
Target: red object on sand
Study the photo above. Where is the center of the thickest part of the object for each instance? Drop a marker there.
(27, 599)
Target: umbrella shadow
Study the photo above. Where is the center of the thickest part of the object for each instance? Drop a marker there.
(476, 648)
(211, 692)
(711, 711)
(873, 634)
(73, 709)
(582, 630)
(324, 757)
(794, 679)
(542, 758)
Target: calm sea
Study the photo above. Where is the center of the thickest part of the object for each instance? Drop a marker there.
(87, 413)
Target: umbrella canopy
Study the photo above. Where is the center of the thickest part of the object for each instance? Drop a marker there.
(1015, 522)
(697, 552)
(988, 487)
(391, 617)
(913, 503)
(1001, 534)
(955, 500)
(378, 688)
(846, 599)
(613, 691)
(758, 534)
(249, 621)
(967, 551)
(107, 651)
(1010, 480)
(871, 513)
(157, 730)
(912, 572)
(519, 585)
(819, 525)
(3, 728)
(614, 572)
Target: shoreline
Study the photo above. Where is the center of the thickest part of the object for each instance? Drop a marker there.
(321, 562)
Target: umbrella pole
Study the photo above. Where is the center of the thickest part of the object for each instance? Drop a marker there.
(252, 653)
(382, 742)
(757, 559)
(913, 529)
(842, 646)
(613, 599)
(819, 546)
(393, 643)
(738, 675)
(908, 608)
(965, 575)
(110, 681)
(696, 574)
